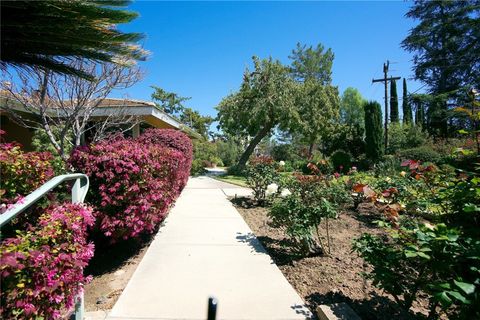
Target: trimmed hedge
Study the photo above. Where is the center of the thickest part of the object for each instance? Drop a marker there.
(173, 139)
(341, 161)
(134, 181)
(424, 154)
(41, 269)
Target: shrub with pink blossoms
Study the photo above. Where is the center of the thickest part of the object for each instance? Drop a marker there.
(176, 140)
(133, 182)
(22, 172)
(41, 269)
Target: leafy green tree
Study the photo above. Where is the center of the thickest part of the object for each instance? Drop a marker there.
(310, 63)
(265, 101)
(393, 102)
(50, 34)
(196, 121)
(318, 112)
(373, 130)
(351, 108)
(406, 107)
(169, 102)
(446, 49)
(229, 150)
(316, 98)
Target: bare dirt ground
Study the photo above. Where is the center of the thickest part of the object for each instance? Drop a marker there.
(111, 268)
(327, 279)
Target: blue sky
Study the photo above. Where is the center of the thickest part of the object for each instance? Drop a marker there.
(200, 49)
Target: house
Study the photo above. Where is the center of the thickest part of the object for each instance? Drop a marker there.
(146, 113)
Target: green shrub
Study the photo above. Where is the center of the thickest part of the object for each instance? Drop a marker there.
(284, 152)
(312, 200)
(261, 172)
(424, 154)
(288, 167)
(389, 166)
(197, 167)
(341, 161)
(204, 150)
(228, 151)
(348, 138)
(435, 261)
(405, 136)
(236, 171)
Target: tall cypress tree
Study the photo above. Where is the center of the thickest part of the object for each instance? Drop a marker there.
(406, 107)
(373, 130)
(419, 110)
(393, 102)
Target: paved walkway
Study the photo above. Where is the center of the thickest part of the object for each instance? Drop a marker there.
(206, 249)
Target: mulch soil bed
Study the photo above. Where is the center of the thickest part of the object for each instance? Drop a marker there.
(328, 279)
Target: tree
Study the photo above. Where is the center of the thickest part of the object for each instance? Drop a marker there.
(446, 48)
(351, 108)
(265, 101)
(406, 107)
(169, 102)
(62, 105)
(196, 121)
(373, 130)
(50, 34)
(393, 102)
(310, 63)
(420, 101)
(317, 100)
(318, 112)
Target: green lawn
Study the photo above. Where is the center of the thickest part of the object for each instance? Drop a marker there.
(237, 180)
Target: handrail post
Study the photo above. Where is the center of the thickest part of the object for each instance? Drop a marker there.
(79, 190)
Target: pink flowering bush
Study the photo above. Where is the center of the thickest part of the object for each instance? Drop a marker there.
(133, 181)
(22, 172)
(172, 139)
(41, 269)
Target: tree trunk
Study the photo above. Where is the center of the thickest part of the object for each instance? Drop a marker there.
(251, 146)
(310, 150)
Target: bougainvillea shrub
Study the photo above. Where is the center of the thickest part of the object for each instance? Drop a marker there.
(176, 140)
(22, 172)
(41, 269)
(133, 183)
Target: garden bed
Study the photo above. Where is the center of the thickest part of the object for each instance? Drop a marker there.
(325, 280)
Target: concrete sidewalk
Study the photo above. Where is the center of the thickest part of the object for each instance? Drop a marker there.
(206, 249)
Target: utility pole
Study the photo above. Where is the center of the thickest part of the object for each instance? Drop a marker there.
(385, 81)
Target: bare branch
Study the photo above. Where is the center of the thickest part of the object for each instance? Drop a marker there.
(34, 99)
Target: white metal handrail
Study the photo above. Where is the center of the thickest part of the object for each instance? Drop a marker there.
(79, 191)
